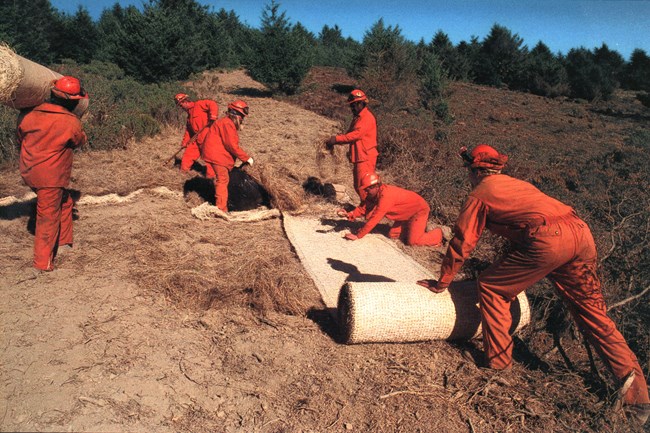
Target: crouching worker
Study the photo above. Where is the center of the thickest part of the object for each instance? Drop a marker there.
(221, 148)
(48, 133)
(407, 209)
(548, 240)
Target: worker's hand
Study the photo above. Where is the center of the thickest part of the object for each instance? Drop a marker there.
(351, 236)
(433, 285)
(330, 142)
(345, 214)
(250, 161)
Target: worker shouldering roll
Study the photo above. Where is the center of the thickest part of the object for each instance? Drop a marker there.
(25, 84)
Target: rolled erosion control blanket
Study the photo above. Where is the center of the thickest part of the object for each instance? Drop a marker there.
(400, 312)
(24, 83)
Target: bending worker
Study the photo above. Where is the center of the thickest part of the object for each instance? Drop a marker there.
(221, 148)
(407, 209)
(362, 138)
(548, 240)
(200, 115)
(48, 133)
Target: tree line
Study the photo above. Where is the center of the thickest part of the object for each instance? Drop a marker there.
(171, 39)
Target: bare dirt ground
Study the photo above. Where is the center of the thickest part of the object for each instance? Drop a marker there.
(157, 321)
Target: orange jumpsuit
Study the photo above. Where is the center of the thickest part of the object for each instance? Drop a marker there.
(548, 240)
(219, 151)
(198, 115)
(47, 134)
(405, 208)
(362, 136)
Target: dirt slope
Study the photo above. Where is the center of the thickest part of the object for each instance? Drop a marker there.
(118, 338)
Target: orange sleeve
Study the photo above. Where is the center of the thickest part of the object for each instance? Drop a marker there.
(384, 204)
(186, 138)
(211, 109)
(231, 142)
(355, 133)
(467, 231)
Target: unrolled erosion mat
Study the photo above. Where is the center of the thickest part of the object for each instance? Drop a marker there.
(406, 312)
(369, 285)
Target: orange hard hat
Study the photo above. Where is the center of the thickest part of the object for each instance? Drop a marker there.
(239, 106)
(180, 97)
(483, 156)
(368, 180)
(357, 95)
(68, 88)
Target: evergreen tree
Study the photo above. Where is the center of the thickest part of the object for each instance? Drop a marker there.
(611, 62)
(76, 38)
(282, 54)
(501, 59)
(587, 79)
(28, 27)
(545, 73)
(388, 66)
(637, 72)
(335, 50)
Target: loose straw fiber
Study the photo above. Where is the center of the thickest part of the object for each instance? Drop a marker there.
(24, 83)
(406, 312)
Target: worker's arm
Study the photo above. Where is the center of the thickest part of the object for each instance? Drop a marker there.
(384, 203)
(467, 231)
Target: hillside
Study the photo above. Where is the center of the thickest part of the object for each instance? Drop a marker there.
(158, 321)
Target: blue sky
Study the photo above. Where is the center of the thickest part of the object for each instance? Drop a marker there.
(561, 24)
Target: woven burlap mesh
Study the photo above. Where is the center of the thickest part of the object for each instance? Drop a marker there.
(406, 312)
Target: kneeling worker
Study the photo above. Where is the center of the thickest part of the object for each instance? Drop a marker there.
(406, 208)
(221, 148)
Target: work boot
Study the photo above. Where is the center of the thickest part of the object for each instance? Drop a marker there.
(63, 250)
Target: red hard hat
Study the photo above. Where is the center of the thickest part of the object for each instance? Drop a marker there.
(68, 88)
(239, 106)
(180, 97)
(369, 179)
(357, 95)
(483, 156)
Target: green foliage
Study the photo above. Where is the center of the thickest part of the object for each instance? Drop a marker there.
(456, 64)
(335, 50)
(637, 72)
(545, 74)
(76, 37)
(587, 79)
(282, 54)
(388, 66)
(29, 26)
(501, 59)
(433, 80)
(9, 147)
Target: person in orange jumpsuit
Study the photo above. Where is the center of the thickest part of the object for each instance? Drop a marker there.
(221, 148)
(362, 138)
(48, 133)
(200, 115)
(548, 240)
(406, 208)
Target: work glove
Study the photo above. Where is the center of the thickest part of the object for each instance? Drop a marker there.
(330, 142)
(345, 214)
(433, 285)
(250, 161)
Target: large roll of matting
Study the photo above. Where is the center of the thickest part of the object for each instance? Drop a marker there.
(381, 312)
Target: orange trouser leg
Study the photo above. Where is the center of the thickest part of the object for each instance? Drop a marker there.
(417, 234)
(190, 155)
(221, 186)
(361, 169)
(500, 284)
(209, 171)
(48, 225)
(580, 288)
(396, 230)
(65, 234)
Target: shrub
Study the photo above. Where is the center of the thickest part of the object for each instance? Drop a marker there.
(644, 98)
